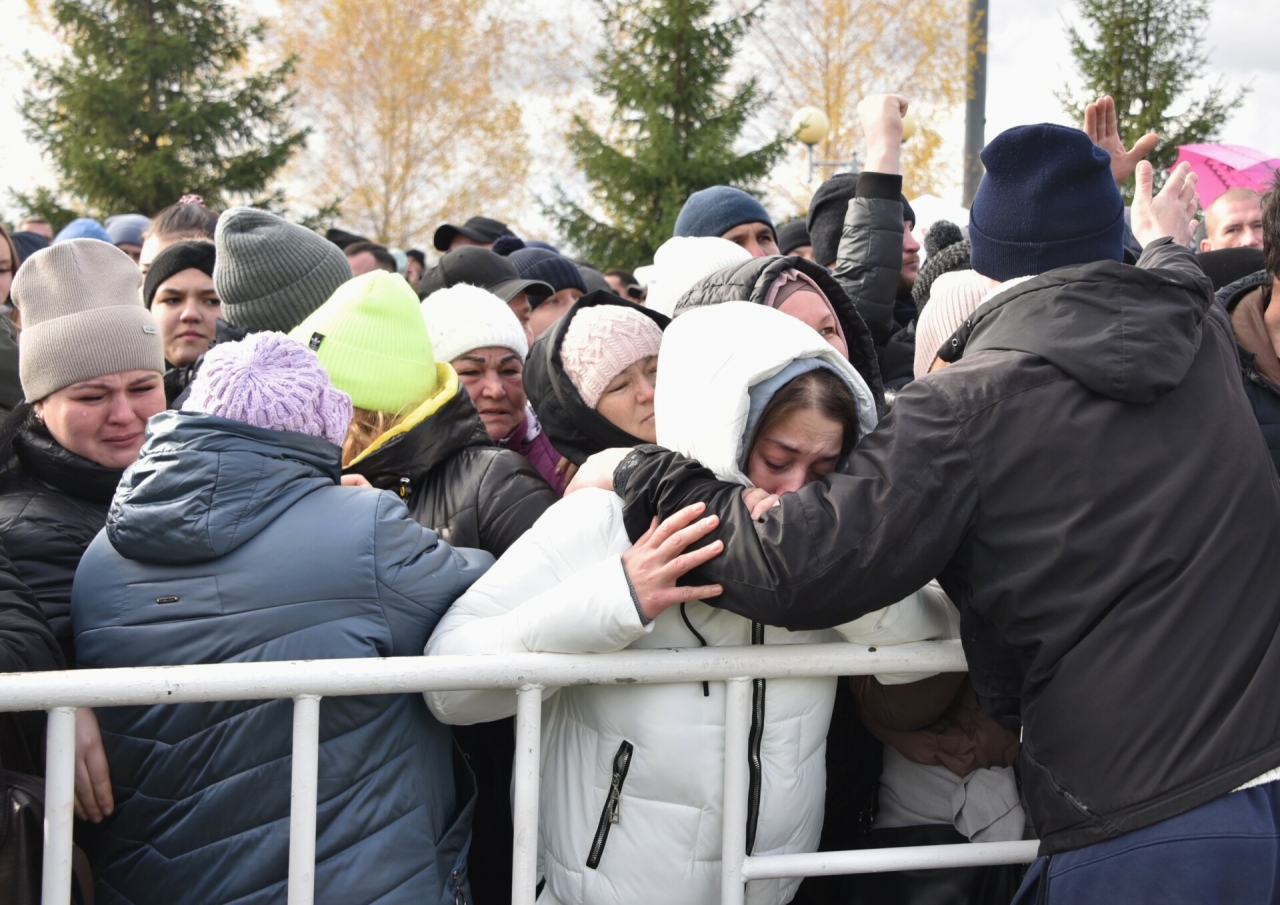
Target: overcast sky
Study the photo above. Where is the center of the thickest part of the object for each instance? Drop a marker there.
(1028, 61)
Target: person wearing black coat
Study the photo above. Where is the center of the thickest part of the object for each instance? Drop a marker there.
(1096, 502)
(751, 281)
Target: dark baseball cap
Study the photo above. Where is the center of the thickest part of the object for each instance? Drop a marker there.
(481, 267)
(478, 229)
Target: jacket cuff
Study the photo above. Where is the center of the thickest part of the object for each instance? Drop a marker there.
(635, 598)
(886, 186)
(622, 473)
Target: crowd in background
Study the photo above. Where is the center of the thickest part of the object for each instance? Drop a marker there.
(1052, 433)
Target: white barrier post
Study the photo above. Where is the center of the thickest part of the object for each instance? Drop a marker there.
(876, 860)
(302, 799)
(59, 805)
(524, 853)
(733, 834)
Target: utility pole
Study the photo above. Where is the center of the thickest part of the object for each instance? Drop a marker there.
(975, 110)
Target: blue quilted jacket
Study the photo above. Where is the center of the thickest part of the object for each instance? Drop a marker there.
(229, 543)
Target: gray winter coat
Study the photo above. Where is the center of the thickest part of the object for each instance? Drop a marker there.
(230, 543)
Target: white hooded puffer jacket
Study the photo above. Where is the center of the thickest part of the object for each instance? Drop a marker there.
(561, 588)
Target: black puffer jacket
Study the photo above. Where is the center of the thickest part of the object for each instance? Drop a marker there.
(1088, 481)
(452, 477)
(52, 504)
(1246, 300)
(869, 269)
(750, 282)
(575, 430)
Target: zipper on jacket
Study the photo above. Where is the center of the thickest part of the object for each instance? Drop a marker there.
(610, 815)
(706, 686)
(754, 764)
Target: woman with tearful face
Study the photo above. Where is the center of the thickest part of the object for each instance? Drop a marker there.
(91, 369)
(632, 778)
(592, 376)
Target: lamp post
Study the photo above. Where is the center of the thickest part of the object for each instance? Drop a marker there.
(811, 125)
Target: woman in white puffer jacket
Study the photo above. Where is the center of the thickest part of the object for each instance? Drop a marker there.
(632, 776)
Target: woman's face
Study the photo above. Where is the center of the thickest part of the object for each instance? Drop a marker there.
(7, 268)
(551, 310)
(494, 378)
(186, 308)
(104, 419)
(812, 309)
(802, 448)
(627, 401)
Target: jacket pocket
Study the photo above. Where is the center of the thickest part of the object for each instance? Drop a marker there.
(611, 813)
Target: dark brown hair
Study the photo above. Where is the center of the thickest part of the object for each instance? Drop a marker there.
(821, 390)
(1271, 227)
(381, 255)
(184, 220)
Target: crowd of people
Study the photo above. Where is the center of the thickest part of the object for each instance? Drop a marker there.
(1052, 433)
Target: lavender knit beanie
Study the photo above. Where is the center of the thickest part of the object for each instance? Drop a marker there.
(270, 381)
(603, 341)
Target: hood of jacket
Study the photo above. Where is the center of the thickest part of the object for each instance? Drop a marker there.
(444, 423)
(751, 280)
(575, 429)
(1125, 332)
(204, 485)
(726, 351)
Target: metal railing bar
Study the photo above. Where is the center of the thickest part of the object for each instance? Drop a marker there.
(733, 830)
(139, 686)
(918, 857)
(59, 805)
(302, 800)
(527, 797)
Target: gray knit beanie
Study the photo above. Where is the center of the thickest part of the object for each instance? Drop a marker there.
(270, 273)
(82, 317)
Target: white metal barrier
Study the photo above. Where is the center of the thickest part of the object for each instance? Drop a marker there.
(306, 682)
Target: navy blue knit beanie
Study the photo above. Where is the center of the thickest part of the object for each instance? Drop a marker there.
(715, 211)
(1047, 200)
(549, 267)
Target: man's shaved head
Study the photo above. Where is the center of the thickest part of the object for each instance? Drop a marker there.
(1233, 220)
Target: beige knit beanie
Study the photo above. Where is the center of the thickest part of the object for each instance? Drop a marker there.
(953, 297)
(82, 317)
(603, 341)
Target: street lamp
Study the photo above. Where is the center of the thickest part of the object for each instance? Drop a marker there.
(810, 125)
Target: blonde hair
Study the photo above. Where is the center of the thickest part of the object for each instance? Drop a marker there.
(366, 427)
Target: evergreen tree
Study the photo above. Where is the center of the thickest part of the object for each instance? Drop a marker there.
(672, 130)
(154, 100)
(1148, 54)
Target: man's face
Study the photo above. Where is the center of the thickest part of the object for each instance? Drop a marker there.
(757, 238)
(1233, 223)
(910, 258)
(521, 308)
(413, 272)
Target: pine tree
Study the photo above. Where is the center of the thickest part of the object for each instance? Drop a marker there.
(155, 99)
(672, 130)
(1148, 55)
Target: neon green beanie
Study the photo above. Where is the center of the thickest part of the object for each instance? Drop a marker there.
(371, 338)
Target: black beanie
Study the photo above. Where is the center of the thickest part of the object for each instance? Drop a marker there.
(194, 254)
(827, 211)
(792, 235)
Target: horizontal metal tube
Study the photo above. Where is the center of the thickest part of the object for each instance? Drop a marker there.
(876, 860)
(327, 678)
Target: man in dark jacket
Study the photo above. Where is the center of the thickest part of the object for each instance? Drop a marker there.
(1087, 484)
(1257, 326)
(861, 227)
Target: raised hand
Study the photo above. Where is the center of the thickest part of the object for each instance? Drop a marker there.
(657, 560)
(1102, 125)
(881, 116)
(1170, 213)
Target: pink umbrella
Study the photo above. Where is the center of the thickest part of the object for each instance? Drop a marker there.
(1222, 167)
